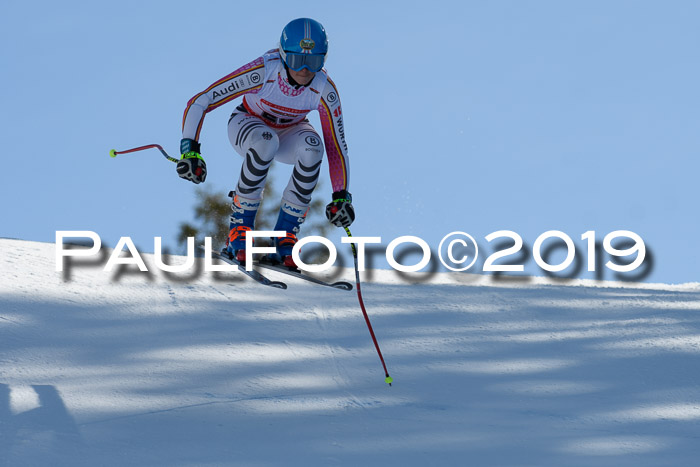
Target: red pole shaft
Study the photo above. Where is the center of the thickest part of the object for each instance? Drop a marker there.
(148, 146)
(364, 311)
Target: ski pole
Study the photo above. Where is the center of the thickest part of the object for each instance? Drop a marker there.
(388, 378)
(113, 152)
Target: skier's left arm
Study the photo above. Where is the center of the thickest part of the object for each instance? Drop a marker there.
(339, 211)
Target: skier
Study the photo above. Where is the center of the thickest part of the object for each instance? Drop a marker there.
(280, 88)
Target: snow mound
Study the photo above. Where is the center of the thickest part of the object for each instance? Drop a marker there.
(129, 368)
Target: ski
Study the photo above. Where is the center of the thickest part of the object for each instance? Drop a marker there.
(342, 285)
(253, 274)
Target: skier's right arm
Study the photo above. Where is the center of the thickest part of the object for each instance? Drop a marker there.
(246, 79)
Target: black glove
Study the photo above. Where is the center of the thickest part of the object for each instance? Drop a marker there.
(340, 211)
(191, 166)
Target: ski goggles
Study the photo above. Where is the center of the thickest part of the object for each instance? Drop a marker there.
(312, 62)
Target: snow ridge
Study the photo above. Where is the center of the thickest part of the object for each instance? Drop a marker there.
(141, 369)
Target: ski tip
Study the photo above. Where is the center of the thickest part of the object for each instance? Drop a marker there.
(342, 285)
(278, 285)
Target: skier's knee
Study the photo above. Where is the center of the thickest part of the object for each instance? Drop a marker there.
(265, 141)
(311, 150)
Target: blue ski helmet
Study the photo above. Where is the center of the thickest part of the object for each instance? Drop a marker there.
(304, 44)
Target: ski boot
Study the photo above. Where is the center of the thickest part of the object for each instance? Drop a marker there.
(242, 221)
(290, 219)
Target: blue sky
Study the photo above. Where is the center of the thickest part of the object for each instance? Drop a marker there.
(472, 116)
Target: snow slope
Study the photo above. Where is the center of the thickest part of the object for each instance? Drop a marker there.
(145, 370)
